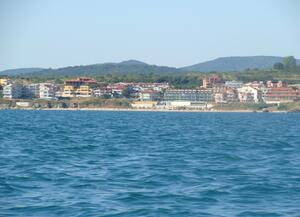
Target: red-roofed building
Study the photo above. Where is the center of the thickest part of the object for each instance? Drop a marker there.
(281, 95)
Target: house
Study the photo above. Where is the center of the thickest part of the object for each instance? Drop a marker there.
(117, 88)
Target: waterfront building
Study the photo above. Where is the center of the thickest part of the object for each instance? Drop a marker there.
(31, 91)
(102, 92)
(248, 94)
(281, 95)
(47, 91)
(84, 91)
(69, 91)
(202, 95)
(79, 87)
(13, 91)
(149, 95)
(231, 95)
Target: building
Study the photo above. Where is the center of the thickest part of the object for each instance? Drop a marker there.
(144, 104)
(13, 91)
(271, 84)
(31, 91)
(200, 95)
(234, 84)
(76, 83)
(149, 95)
(84, 91)
(69, 91)
(102, 92)
(248, 94)
(117, 88)
(4, 81)
(79, 87)
(281, 95)
(47, 91)
(210, 81)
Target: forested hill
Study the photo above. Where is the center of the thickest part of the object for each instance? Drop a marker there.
(20, 71)
(126, 67)
(224, 64)
(227, 64)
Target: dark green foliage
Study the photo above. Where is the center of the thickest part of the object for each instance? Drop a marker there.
(229, 64)
(126, 67)
(283, 107)
(278, 66)
(290, 63)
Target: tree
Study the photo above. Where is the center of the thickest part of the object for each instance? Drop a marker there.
(278, 66)
(126, 92)
(290, 63)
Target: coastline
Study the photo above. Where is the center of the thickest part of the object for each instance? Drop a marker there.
(143, 110)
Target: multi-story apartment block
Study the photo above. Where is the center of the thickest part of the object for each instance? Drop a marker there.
(47, 91)
(248, 94)
(84, 91)
(80, 87)
(202, 95)
(281, 95)
(31, 91)
(210, 81)
(13, 91)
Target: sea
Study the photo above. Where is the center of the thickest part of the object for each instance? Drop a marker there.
(128, 164)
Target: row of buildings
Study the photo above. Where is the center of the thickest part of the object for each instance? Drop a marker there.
(213, 89)
(17, 90)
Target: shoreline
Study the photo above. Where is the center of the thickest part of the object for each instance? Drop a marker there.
(142, 110)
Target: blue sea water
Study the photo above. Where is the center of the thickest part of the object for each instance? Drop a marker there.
(97, 163)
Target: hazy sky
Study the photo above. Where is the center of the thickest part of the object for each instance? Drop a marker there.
(56, 33)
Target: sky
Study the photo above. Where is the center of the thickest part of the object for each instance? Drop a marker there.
(58, 33)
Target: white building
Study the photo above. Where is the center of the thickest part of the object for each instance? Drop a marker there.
(47, 91)
(31, 91)
(149, 95)
(234, 84)
(248, 94)
(12, 91)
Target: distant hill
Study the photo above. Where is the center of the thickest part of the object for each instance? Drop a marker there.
(12, 72)
(125, 67)
(225, 64)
